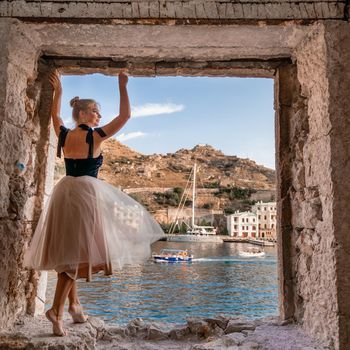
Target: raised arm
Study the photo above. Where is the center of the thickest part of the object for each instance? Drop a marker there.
(124, 109)
(56, 103)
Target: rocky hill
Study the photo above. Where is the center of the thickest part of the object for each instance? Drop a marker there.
(225, 183)
(128, 169)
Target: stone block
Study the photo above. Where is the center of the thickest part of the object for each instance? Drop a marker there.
(179, 10)
(117, 10)
(137, 327)
(189, 9)
(221, 321)
(229, 12)
(4, 193)
(170, 8)
(154, 11)
(14, 146)
(234, 339)
(253, 11)
(29, 208)
(4, 8)
(238, 326)
(156, 333)
(262, 11)
(298, 175)
(272, 11)
(41, 294)
(197, 326)
(309, 10)
(251, 345)
(46, 9)
(222, 9)
(317, 157)
(144, 9)
(211, 10)
(200, 10)
(127, 10)
(135, 9)
(15, 110)
(179, 333)
(238, 10)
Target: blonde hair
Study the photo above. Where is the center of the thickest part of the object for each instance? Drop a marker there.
(80, 105)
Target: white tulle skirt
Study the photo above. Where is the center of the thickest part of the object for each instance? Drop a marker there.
(87, 226)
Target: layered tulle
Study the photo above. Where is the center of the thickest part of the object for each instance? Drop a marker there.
(88, 226)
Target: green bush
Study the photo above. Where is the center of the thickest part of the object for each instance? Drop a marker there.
(235, 192)
(207, 205)
(183, 228)
(229, 211)
(224, 232)
(171, 198)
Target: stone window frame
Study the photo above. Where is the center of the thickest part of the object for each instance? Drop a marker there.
(278, 70)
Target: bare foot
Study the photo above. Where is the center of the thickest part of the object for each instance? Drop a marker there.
(57, 325)
(76, 311)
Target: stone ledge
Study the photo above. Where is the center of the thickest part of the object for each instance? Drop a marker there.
(178, 10)
(216, 333)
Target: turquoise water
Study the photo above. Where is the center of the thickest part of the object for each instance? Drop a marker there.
(217, 281)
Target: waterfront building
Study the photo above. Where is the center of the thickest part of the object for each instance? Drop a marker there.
(258, 223)
(266, 214)
(243, 224)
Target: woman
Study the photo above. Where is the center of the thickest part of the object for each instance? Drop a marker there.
(87, 225)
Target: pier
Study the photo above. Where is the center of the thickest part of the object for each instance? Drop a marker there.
(229, 239)
(259, 242)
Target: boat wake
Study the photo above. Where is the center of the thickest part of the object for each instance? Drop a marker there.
(232, 259)
(215, 259)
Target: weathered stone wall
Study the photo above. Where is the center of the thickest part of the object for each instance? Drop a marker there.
(180, 10)
(23, 160)
(311, 131)
(315, 263)
(337, 38)
(312, 234)
(25, 137)
(313, 154)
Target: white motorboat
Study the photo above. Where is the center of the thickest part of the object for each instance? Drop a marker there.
(251, 253)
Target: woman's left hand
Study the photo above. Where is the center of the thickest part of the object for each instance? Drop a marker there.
(123, 79)
(55, 82)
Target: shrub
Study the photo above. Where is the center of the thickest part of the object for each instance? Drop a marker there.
(171, 198)
(207, 205)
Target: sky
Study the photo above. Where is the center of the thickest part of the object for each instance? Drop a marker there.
(234, 115)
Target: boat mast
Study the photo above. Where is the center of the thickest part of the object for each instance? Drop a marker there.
(194, 192)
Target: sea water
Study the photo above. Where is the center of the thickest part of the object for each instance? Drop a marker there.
(217, 281)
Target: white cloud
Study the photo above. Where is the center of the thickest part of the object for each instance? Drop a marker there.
(155, 109)
(130, 135)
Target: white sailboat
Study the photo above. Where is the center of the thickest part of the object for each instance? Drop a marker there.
(194, 233)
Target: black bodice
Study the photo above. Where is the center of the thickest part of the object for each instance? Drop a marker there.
(86, 166)
(81, 167)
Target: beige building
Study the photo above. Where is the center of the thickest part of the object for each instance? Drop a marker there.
(259, 223)
(243, 224)
(266, 215)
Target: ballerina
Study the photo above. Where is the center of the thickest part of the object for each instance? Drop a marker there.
(87, 225)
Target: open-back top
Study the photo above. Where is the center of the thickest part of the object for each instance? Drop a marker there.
(85, 166)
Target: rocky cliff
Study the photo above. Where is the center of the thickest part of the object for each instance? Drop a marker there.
(224, 182)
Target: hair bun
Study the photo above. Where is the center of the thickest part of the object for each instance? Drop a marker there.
(73, 101)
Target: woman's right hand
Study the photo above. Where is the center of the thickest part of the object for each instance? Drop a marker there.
(123, 79)
(55, 82)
